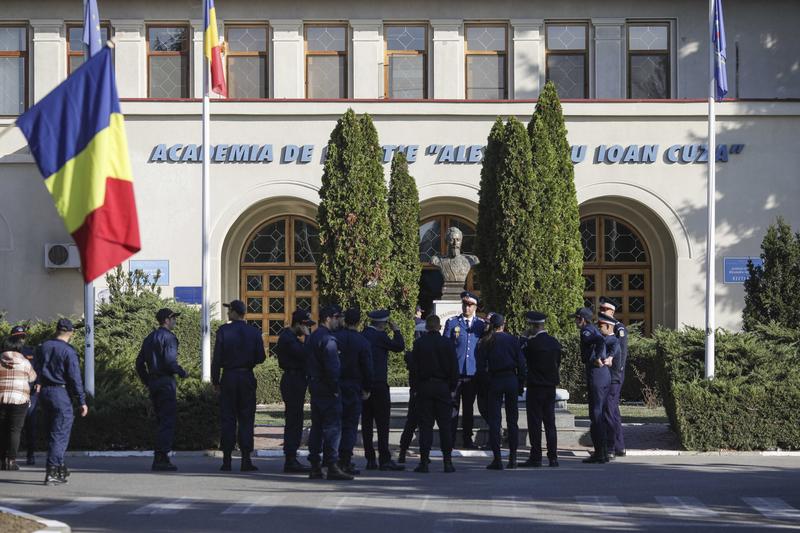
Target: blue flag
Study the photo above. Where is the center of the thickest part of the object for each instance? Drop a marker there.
(91, 28)
(720, 53)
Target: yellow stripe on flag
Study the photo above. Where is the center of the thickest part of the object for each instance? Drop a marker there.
(79, 187)
(211, 37)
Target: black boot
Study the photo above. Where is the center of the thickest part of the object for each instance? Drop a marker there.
(52, 477)
(161, 463)
(448, 464)
(401, 456)
(422, 467)
(496, 464)
(63, 473)
(392, 466)
(336, 473)
(247, 463)
(293, 466)
(372, 464)
(315, 472)
(532, 462)
(512, 460)
(226, 462)
(346, 465)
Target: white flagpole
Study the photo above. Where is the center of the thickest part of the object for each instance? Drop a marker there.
(711, 237)
(205, 327)
(88, 312)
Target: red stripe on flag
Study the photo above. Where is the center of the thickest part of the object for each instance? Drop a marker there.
(110, 234)
(217, 74)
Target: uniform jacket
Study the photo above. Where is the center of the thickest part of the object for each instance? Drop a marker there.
(501, 353)
(593, 345)
(621, 333)
(614, 349)
(380, 345)
(465, 339)
(355, 357)
(323, 359)
(56, 363)
(238, 345)
(433, 357)
(543, 356)
(292, 353)
(158, 356)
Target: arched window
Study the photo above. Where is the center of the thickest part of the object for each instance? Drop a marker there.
(616, 264)
(432, 233)
(278, 274)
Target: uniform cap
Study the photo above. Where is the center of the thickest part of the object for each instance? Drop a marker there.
(65, 324)
(606, 319)
(165, 313)
(469, 297)
(237, 306)
(352, 316)
(379, 315)
(497, 320)
(18, 331)
(301, 316)
(607, 303)
(535, 317)
(584, 313)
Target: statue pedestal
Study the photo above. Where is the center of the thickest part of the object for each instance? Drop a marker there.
(445, 309)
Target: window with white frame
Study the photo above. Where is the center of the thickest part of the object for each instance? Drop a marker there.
(13, 69)
(649, 60)
(567, 58)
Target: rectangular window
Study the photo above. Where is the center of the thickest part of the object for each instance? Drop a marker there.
(13, 69)
(406, 62)
(567, 58)
(326, 61)
(76, 50)
(648, 60)
(167, 62)
(486, 65)
(246, 59)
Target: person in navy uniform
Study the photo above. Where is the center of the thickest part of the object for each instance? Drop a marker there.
(499, 357)
(615, 437)
(29, 429)
(238, 348)
(157, 365)
(355, 357)
(465, 330)
(378, 406)
(292, 348)
(59, 375)
(433, 380)
(324, 371)
(412, 415)
(598, 378)
(543, 357)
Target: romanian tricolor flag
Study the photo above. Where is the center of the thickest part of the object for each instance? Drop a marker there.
(213, 49)
(77, 137)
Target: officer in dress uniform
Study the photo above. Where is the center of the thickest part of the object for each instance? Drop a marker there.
(433, 380)
(543, 357)
(379, 405)
(356, 379)
(30, 416)
(465, 330)
(238, 348)
(500, 358)
(412, 416)
(157, 365)
(56, 365)
(292, 351)
(615, 437)
(598, 378)
(324, 371)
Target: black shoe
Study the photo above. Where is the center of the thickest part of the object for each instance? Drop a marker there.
(351, 469)
(401, 456)
(391, 466)
(372, 464)
(31, 460)
(337, 474)
(293, 466)
(52, 476)
(422, 467)
(226, 463)
(595, 459)
(161, 463)
(553, 463)
(316, 472)
(63, 474)
(247, 465)
(448, 466)
(496, 464)
(531, 463)
(620, 453)
(512, 460)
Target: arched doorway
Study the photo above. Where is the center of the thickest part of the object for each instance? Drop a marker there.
(617, 265)
(278, 273)
(432, 231)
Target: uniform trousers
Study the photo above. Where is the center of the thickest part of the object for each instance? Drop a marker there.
(237, 407)
(293, 392)
(57, 409)
(540, 404)
(434, 404)
(503, 388)
(377, 407)
(614, 437)
(466, 392)
(326, 424)
(599, 380)
(351, 411)
(165, 404)
(30, 423)
(412, 422)
(12, 417)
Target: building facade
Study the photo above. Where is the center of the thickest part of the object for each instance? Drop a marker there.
(434, 76)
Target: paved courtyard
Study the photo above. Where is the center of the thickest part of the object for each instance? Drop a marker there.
(634, 493)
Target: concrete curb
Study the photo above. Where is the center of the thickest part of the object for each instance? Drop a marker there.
(48, 525)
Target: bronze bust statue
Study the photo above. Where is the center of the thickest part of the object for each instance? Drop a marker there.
(455, 266)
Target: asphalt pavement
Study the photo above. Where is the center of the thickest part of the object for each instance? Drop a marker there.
(634, 493)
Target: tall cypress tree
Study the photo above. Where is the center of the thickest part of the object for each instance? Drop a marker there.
(404, 225)
(559, 278)
(489, 216)
(355, 266)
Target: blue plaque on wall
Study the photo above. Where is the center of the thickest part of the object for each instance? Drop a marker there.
(735, 268)
(189, 295)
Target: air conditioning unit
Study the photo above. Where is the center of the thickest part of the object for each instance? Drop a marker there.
(60, 255)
